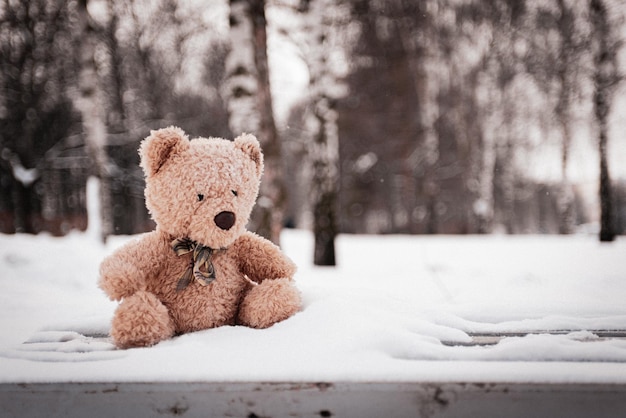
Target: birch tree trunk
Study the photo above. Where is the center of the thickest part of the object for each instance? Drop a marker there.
(605, 78)
(90, 104)
(250, 109)
(321, 123)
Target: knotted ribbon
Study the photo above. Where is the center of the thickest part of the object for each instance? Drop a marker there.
(200, 268)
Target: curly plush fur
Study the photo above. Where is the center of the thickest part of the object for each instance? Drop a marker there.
(188, 184)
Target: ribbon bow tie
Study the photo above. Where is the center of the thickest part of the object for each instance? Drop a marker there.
(200, 268)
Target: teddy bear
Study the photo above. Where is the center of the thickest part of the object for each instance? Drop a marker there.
(200, 268)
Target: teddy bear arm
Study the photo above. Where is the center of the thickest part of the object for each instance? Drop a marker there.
(125, 271)
(260, 259)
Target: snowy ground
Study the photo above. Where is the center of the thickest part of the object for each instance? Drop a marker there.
(396, 309)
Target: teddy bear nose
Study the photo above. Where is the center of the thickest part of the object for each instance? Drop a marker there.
(225, 220)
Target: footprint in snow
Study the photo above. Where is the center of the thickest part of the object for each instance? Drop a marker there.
(64, 346)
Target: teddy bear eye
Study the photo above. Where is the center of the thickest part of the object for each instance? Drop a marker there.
(235, 193)
(200, 197)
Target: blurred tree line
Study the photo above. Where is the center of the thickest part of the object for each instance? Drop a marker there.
(82, 82)
(452, 98)
(418, 117)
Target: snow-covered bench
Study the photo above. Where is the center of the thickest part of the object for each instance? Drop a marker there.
(404, 326)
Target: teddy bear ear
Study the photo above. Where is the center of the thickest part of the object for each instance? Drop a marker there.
(251, 147)
(161, 145)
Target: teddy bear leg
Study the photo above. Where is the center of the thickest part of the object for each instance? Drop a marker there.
(141, 320)
(269, 302)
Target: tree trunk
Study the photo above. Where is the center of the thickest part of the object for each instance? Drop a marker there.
(566, 85)
(250, 109)
(607, 227)
(25, 213)
(605, 78)
(504, 184)
(424, 62)
(89, 103)
(325, 160)
(565, 199)
(322, 122)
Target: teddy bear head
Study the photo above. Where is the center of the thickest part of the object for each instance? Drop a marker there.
(201, 189)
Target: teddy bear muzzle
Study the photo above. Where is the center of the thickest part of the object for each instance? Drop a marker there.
(225, 220)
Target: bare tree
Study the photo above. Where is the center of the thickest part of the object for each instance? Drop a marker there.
(567, 74)
(250, 108)
(321, 122)
(90, 102)
(605, 78)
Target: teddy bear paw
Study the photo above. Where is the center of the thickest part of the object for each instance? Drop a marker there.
(141, 320)
(118, 278)
(269, 302)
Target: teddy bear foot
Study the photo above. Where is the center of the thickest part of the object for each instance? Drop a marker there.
(268, 303)
(141, 320)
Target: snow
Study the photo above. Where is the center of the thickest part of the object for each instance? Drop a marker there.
(26, 176)
(397, 308)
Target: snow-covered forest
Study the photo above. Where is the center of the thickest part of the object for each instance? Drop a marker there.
(381, 116)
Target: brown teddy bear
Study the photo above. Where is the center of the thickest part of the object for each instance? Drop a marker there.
(199, 268)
